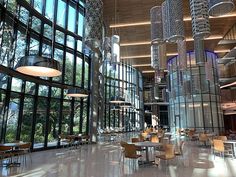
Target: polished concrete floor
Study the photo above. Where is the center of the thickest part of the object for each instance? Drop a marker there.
(102, 160)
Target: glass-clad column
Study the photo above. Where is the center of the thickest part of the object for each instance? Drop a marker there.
(194, 94)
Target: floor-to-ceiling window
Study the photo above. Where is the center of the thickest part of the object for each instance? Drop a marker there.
(37, 109)
(122, 80)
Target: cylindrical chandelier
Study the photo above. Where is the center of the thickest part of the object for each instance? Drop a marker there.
(158, 56)
(200, 19)
(181, 44)
(156, 25)
(115, 48)
(220, 7)
(107, 49)
(93, 23)
(175, 18)
(166, 23)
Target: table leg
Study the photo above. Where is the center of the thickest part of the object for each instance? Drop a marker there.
(147, 157)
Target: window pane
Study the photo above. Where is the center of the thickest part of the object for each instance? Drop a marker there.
(12, 118)
(76, 117)
(30, 88)
(58, 55)
(61, 13)
(53, 122)
(65, 128)
(86, 75)
(16, 84)
(36, 24)
(38, 5)
(60, 37)
(72, 20)
(2, 105)
(47, 31)
(49, 10)
(40, 123)
(70, 42)
(26, 126)
(43, 90)
(81, 25)
(79, 66)
(69, 68)
(34, 47)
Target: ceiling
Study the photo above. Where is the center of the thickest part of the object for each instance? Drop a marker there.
(130, 19)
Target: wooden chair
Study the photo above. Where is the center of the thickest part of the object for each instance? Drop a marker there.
(218, 146)
(223, 138)
(122, 144)
(136, 140)
(24, 150)
(203, 138)
(154, 139)
(169, 153)
(130, 152)
(5, 153)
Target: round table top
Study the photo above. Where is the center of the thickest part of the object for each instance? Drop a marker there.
(147, 144)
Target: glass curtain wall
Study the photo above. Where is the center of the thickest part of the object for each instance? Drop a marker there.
(194, 99)
(125, 80)
(37, 109)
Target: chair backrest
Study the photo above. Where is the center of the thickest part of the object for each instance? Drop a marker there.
(5, 148)
(223, 138)
(135, 140)
(130, 151)
(144, 135)
(218, 145)
(169, 151)
(141, 138)
(203, 137)
(25, 146)
(154, 139)
(123, 144)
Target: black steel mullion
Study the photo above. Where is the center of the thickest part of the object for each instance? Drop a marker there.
(34, 115)
(72, 116)
(6, 108)
(60, 114)
(81, 115)
(48, 109)
(21, 110)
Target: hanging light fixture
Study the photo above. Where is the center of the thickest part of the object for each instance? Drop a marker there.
(77, 92)
(93, 23)
(165, 21)
(175, 19)
(36, 65)
(115, 108)
(126, 105)
(156, 25)
(117, 100)
(220, 7)
(115, 48)
(107, 49)
(200, 18)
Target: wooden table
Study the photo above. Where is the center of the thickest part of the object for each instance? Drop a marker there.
(147, 145)
(13, 147)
